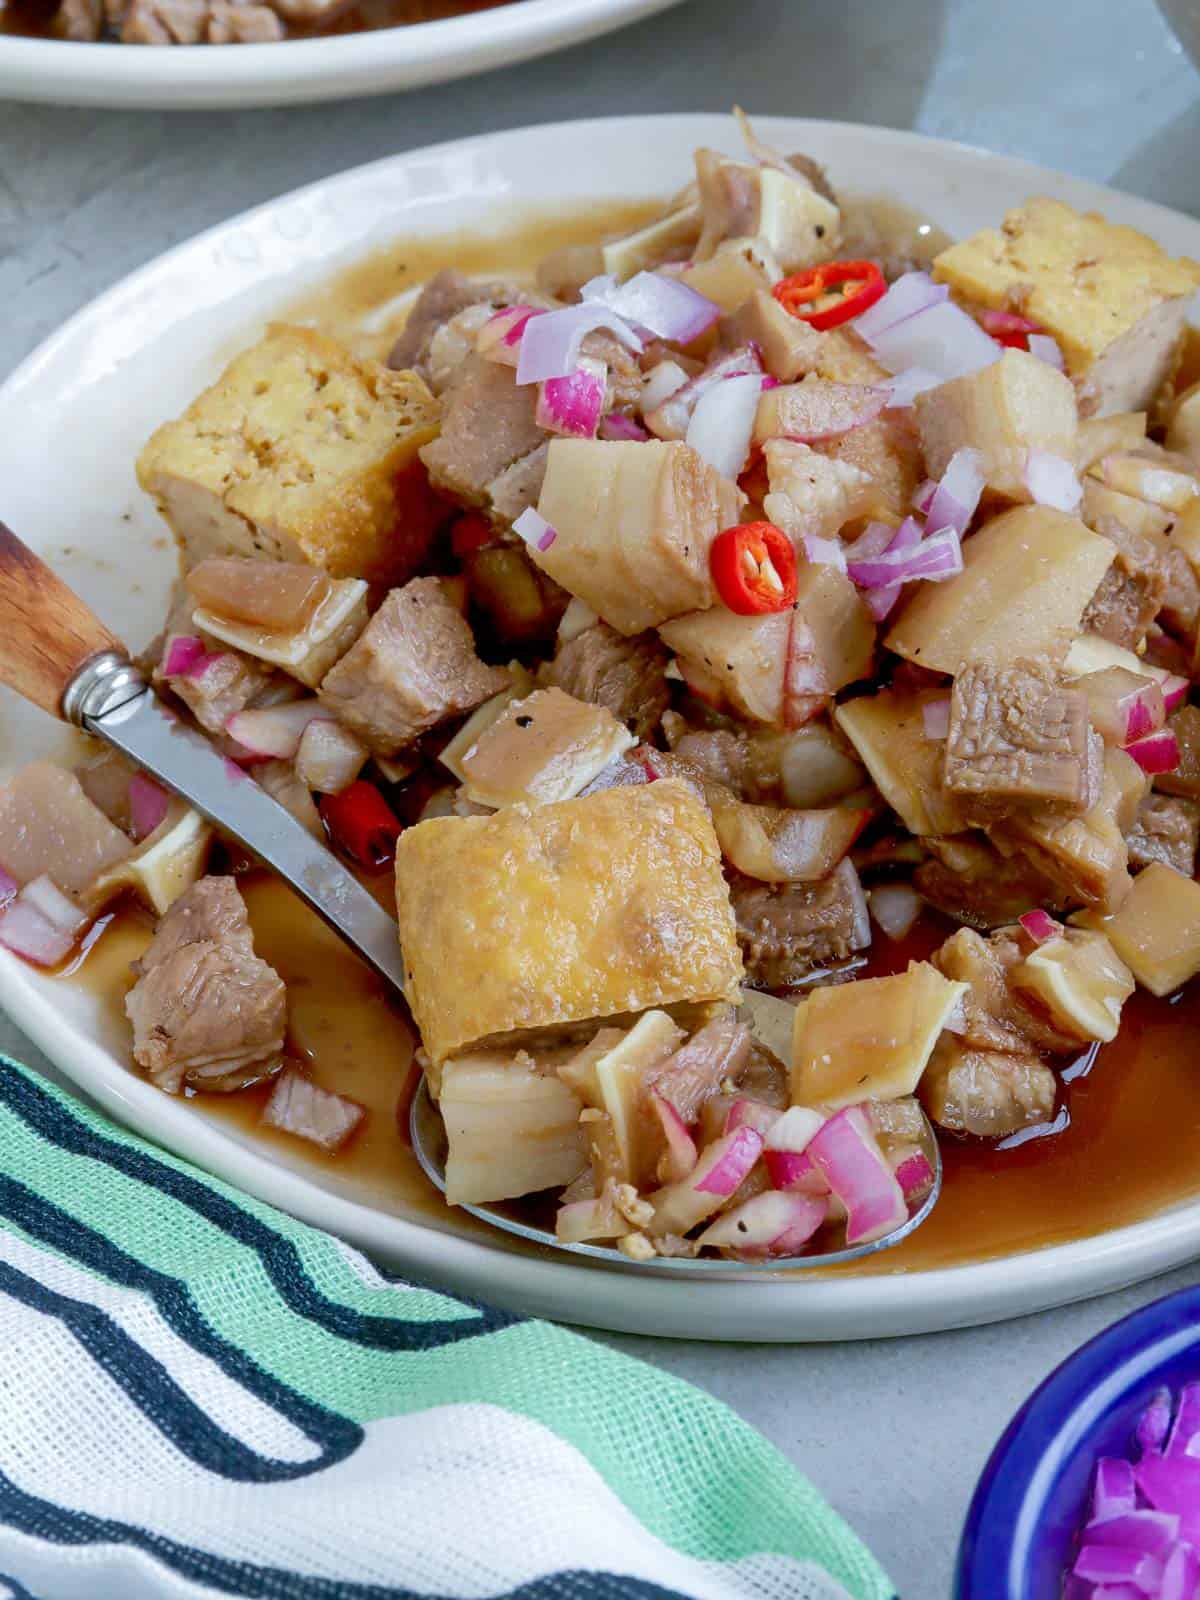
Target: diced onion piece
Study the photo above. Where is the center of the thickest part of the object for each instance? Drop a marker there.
(846, 1153)
(723, 422)
(725, 1174)
(770, 1224)
(1115, 1490)
(935, 714)
(933, 559)
(794, 1130)
(41, 924)
(1048, 350)
(148, 803)
(1158, 752)
(500, 337)
(274, 732)
(660, 383)
(722, 1167)
(746, 1112)
(914, 1174)
(184, 653)
(299, 1106)
(956, 497)
(617, 425)
(572, 405)
(535, 530)
(1040, 925)
(1174, 692)
(1123, 705)
(9, 888)
(664, 306)
(59, 909)
(1051, 480)
(824, 552)
(880, 602)
(681, 1153)
(907, 385)
(794, 1170)
(923, 497)
(874, 540)
(670, 419)
(911, 293)
(942, 339)
(550, 343)
(895, 907)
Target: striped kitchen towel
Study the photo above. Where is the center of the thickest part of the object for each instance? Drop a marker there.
(201, 1397)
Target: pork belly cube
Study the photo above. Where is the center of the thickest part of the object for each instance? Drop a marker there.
(293, 454)
(487, 425)
(888, 733)
(206, 1011)
(790, 347)
(1017, 736)
(736, 661)
(546, 747)
(995, 1014)
(988, 1093)
(48, 825)
(512, 1125)
(634, 524)
(1112, 298)
(1156, 931)
(1167, 830)
(790, 931)
(1086, 856)
(1017, 404)
(301, 1107)
(1079, 981)
(1132, 591)
(1027, 577)
(412, 667)
(586, 910)
(870, 1039)
(627, 676)
(748, 201)
(814, 495)
(968, 879)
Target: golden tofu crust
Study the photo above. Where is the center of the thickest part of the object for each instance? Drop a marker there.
(292, 454)
(546, 917)
(1085, 280)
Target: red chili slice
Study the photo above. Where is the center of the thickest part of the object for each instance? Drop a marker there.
(754, 568)
(833, 293)
(362, 824)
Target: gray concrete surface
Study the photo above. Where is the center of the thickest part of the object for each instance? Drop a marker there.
(893, 1433)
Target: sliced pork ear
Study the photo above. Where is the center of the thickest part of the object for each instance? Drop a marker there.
(487, 425)
(790, 931)
(972, 882)
(1167, 829)
(206, 1011)
(1131, 591)
(444, 296)
(718, 1053)
(1017, 738)
(626, 675)
(986, 1092)
(48, 825)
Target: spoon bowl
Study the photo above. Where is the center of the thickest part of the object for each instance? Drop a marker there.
(429, 1144)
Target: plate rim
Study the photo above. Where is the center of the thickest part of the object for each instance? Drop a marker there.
(882, 1304)
(306, 70)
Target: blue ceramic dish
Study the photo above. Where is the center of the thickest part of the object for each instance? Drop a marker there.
(1033, 1493)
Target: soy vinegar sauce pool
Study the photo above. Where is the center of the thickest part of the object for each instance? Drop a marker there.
(1131, 1146)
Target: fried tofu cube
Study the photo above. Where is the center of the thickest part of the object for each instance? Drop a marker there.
(543, 918)
(1112, 298)
(293, 454)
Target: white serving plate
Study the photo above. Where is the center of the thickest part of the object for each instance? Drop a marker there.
(302, 70)
(72, 419)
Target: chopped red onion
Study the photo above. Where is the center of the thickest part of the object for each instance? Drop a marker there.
(1149, 1531)
(41, 924)
(824, 552)
(572, 405)
(914, 1175)
(500, 337)
(148, 803)
(935, 714)
(550, 343)
(1158, 752)
(535, 530)
(845, 1151)
(907, 385)
(621, 427)
(872, 541)
(880, 602)
(895, 907)
(769, 1224)
(1104, 1564)
(1152, 1428)
(746, 1112)
(956, 497)
(664, 307)
(1174, 692)
(733, 1156)
(9, 888)
(942, 340)
(45, 896)
(794, 1130)
(670, 419)
(274, 732)
(681, 1150)
(184, 651)
(722, 423)
(1048, 350)
(1051, 480)
(923, 498)
(906, 559)
(1039, 925)
(1115, 1490)
(911, 293)
(299, 1106)
(660, 383)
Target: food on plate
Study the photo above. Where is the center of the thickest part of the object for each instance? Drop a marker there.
(1141, 1535)
(759, 667)
(196, 22)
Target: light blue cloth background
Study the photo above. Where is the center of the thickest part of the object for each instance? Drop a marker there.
(1097, 87)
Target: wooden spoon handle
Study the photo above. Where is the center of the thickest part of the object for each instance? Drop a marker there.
(46, 631)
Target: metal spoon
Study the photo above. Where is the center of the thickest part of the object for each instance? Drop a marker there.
(429, 1144)
(57, 654)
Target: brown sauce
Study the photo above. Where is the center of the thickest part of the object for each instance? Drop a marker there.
(34, 19)
(1131, 1146)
